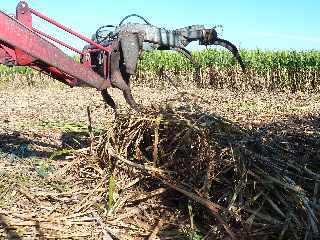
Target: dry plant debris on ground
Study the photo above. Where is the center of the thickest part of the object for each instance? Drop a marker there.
(200, 164)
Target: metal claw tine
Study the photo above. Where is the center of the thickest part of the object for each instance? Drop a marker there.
(119, 77)
(231, 47)
(108, 99)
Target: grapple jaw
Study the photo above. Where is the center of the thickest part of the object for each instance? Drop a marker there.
(119, 76)
(133, 38)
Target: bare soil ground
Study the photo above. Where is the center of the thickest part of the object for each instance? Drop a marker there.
(36, 202)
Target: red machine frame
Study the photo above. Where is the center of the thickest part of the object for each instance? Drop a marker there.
(23, 45)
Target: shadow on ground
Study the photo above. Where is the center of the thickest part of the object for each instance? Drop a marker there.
(75, 140)
(20, 145)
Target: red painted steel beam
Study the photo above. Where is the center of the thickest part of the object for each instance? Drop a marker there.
(88, 40)
(24, 15)
(17, 35)
(57, 41)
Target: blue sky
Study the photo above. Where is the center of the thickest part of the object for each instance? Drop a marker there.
(272, 24)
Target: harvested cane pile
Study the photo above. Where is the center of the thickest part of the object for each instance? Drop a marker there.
(197, 174)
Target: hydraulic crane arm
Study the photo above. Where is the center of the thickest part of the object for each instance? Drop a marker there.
(108, 59)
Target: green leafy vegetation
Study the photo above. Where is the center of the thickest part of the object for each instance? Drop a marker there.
(255, 60)
(270, 70)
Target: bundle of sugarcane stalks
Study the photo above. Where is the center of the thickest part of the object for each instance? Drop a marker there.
(194, 175)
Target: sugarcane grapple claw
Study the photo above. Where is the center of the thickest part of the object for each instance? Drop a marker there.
(109, 58)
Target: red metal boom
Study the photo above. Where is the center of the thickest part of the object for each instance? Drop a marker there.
(21, 44)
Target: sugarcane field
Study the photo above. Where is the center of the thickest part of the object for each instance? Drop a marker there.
(138, 137)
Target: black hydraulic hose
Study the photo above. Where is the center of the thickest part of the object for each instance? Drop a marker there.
(231, 47)
(188, 55)
(100, 38)
(134, 15)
